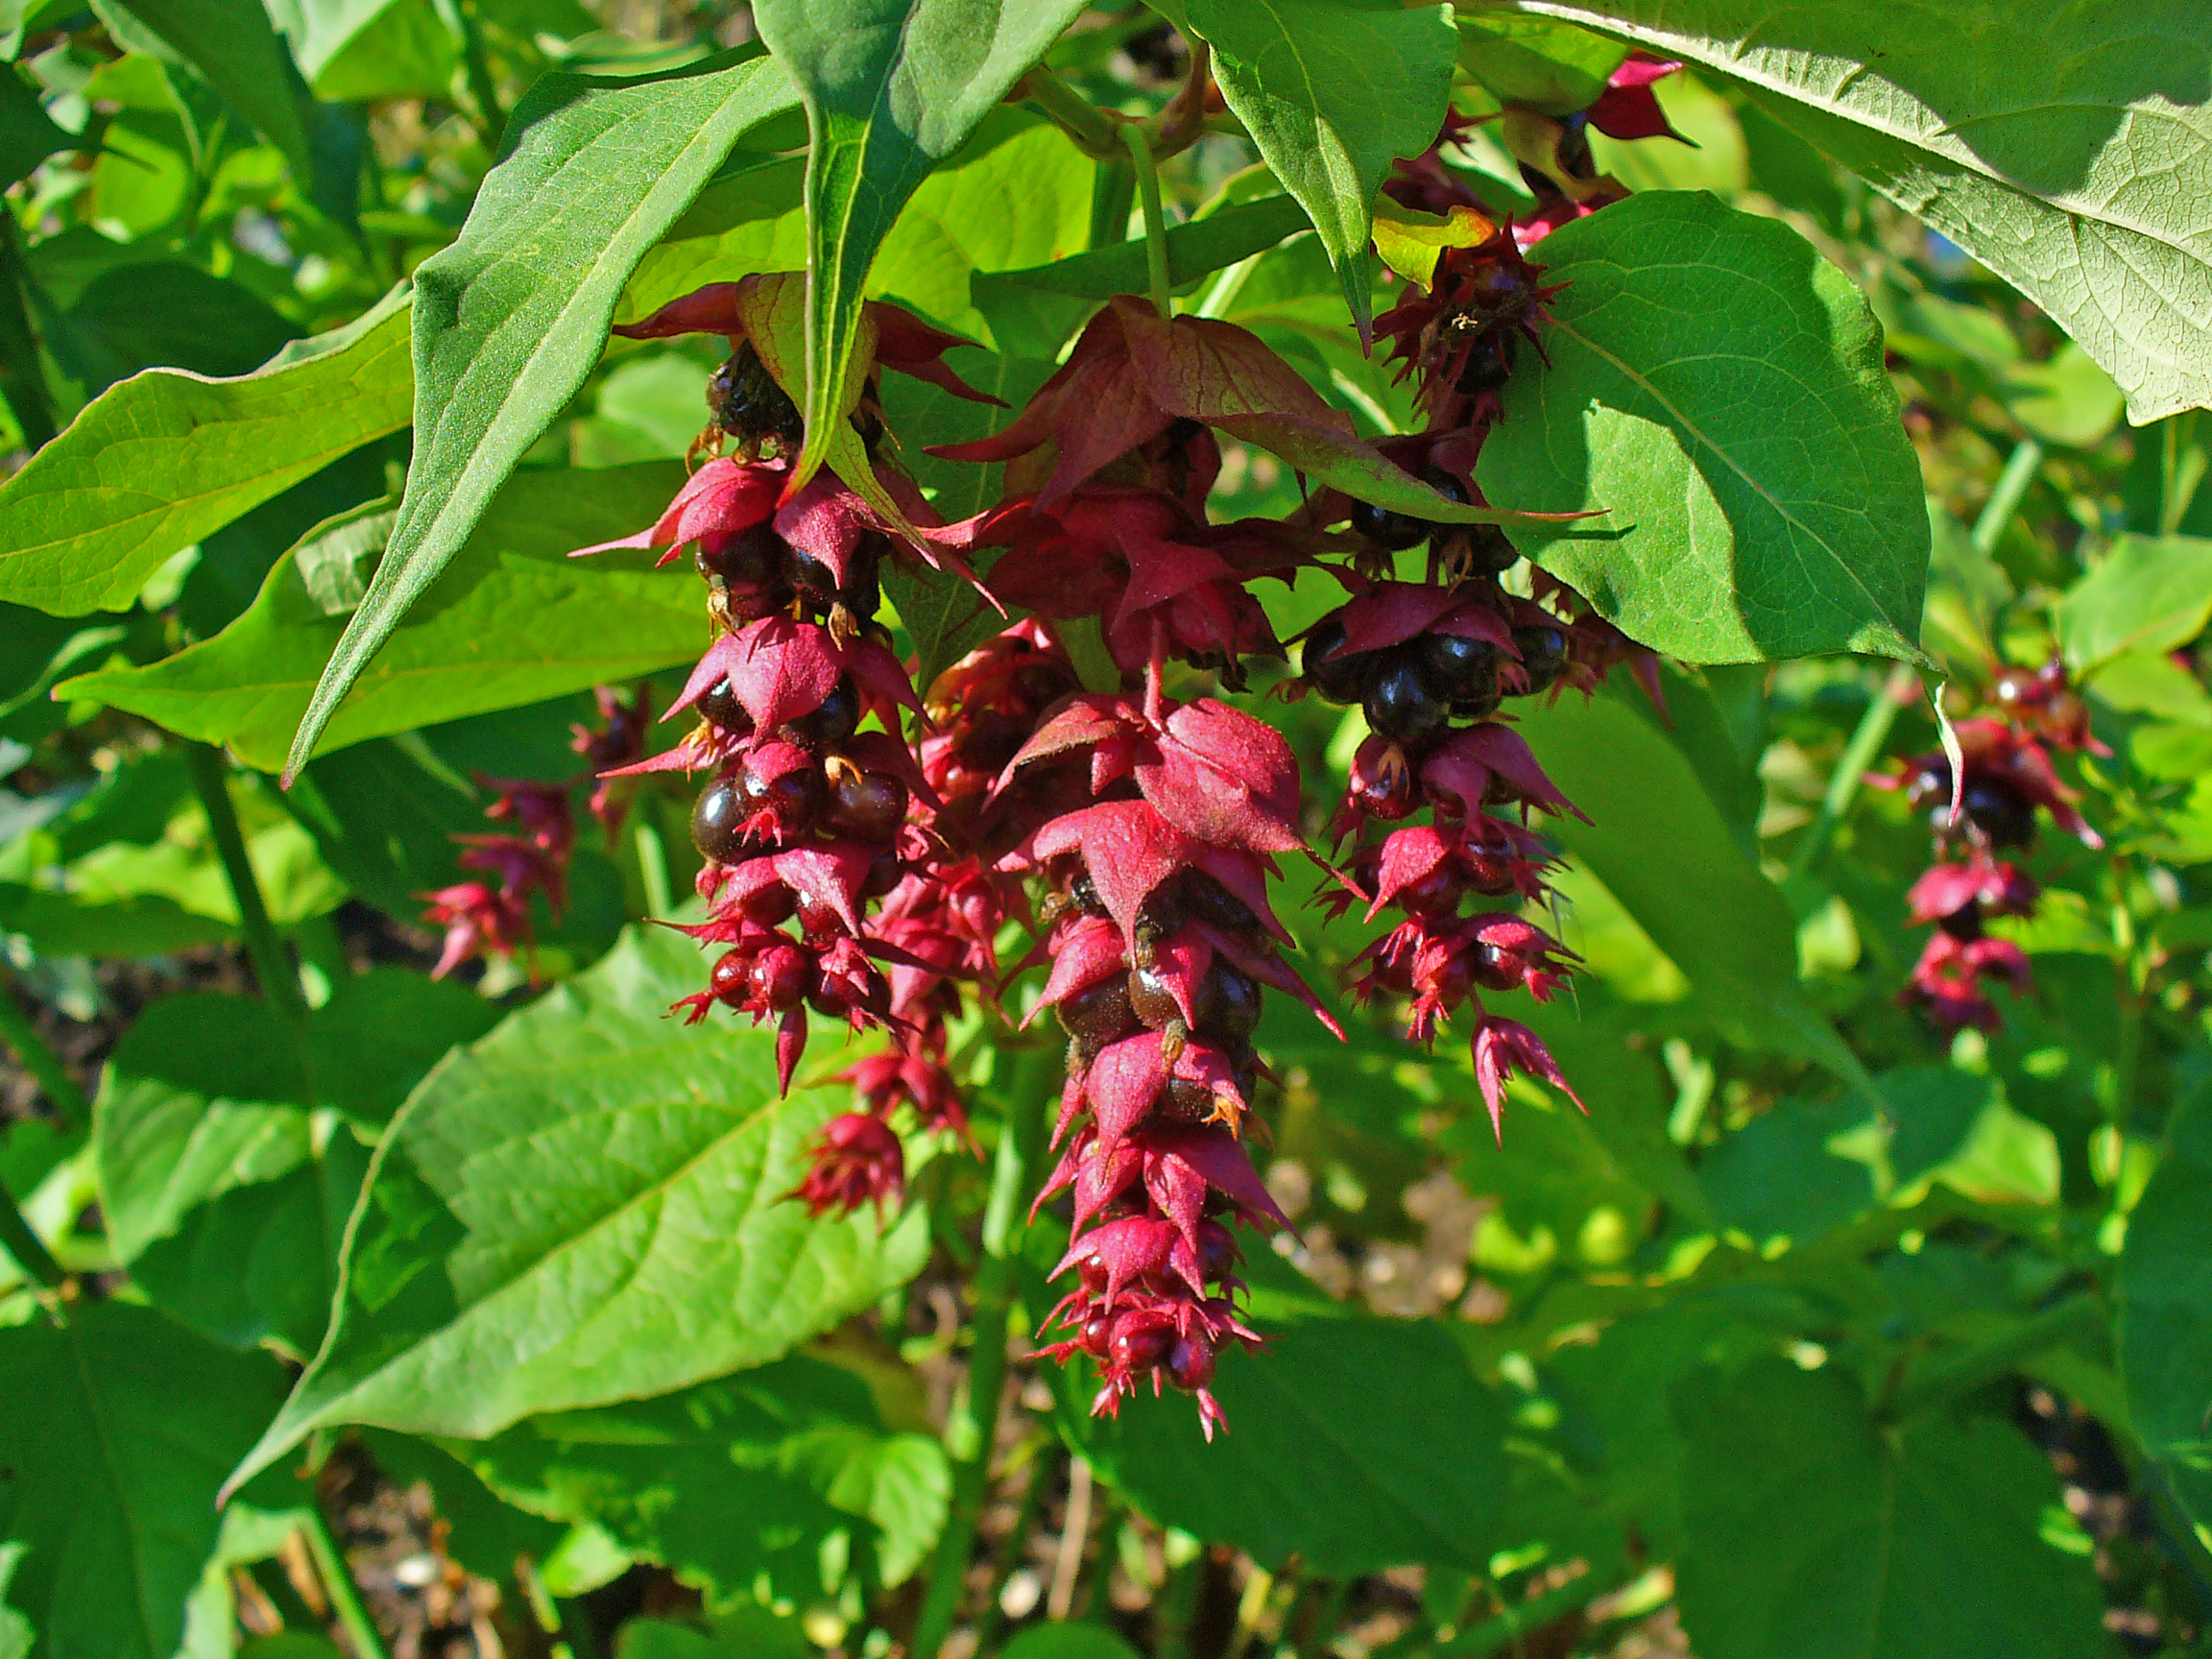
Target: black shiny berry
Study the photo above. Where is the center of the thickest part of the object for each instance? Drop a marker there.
(1151, 999)
(1456, 668)
(1100, 1013)
(813, 577)
(867, 806)
(1489, 364)
(1929, 783)
(718, 706)
(751, 561)
(1229, 1004)
(2003, 818)
(834, 721)
(1335, 673)
(792, 798)
(1543, 656)
(864, 591)
(717, 820)
(1487, 550)
(1395, 531)
(1401, 705)
(745, 401)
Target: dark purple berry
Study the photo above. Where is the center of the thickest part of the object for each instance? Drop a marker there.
(1395, 531)
(717, 819)
(834, 721)
(1543, 656)
(2003, 818)
(751, 560)
(1400, 704)
(718, 706)
(1336, 674)
(1458, 670)
(867, 806)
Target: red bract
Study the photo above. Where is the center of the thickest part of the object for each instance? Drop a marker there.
(2008, 775)
(858, 1160)
(1627, 109)
(903, 341)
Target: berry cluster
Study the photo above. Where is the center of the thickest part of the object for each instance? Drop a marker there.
(853, 874)
(493, 915)
(2006, 775)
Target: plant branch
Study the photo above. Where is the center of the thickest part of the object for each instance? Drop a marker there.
(36, 1056)
(970, 1431)
(2005, 496)
(1088, 128)
(1155, 218)
(26, 1246)
(1873, 730)
(361, 1632)
(280, 984)
(1183, 123)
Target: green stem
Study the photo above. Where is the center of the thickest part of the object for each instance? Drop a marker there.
(1505, 1630)
(1155, 218)
(1873, 730)
(972, 1429)
(1091, 128)
(280, 984)
(1956, 1374)
(361, 1632)
(491, 121)
(1014, 1549)
(2010, 490)
(26, 1246)
(38, 1057)
(652, 857)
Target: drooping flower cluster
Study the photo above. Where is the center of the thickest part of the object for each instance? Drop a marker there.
(1162, 940)
(490, 913)
(2008, 774)
(805, 818)
(855, 875)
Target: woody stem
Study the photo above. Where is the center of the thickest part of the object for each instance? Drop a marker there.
(1155, 220)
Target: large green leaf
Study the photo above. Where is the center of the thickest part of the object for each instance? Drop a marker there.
(1718, 388)
(227, 1165)
(2166, 1308)
(165, 458)
(233, 44)
(1810, 1532)
(515, 622)
(734, 1480)
(2068, 149)
(586, 1206)
(892, 87)
(1016, 194)
(2146, 595)
(1331, 92)
(119, 1427)
(1035, 310)
(510, 319)
(1354, 1443)
(1665, 851)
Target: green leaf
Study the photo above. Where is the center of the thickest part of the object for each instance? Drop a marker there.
(586, 1206)
(28, 134)
(1810, 1532)
(1534, 63)
(1331, 92)
(517, 621)
(112, 1472)
(1703, 902)
(1034, 311)
(233, 44)
(165, 458)
(1016, 195)
(2166, 1310)
(484, 1532)
(1734, 535)
(226, 1164)
(1354, 1443)
(2062, 150)
(734, 1480)
(2144, 595)
(358, 51)
(1067, 1642)
(747, 1631)
(892, 87)
(511, 318)
(208, 325)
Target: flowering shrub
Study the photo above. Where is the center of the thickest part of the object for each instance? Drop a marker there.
(996, 816)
